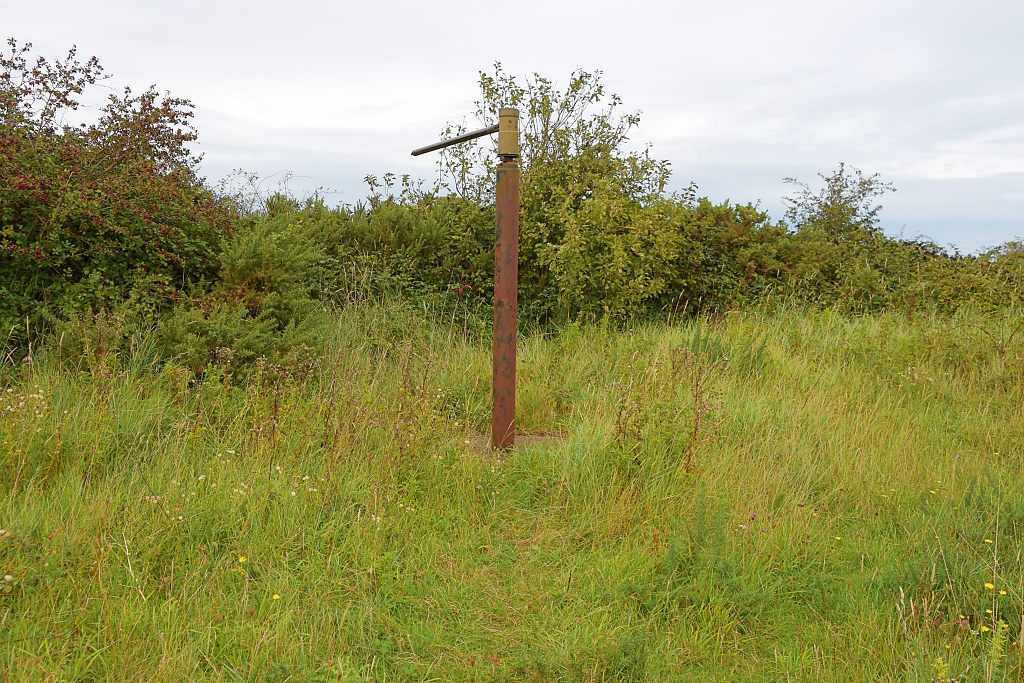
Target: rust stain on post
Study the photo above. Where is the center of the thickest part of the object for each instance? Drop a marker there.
(506, 282)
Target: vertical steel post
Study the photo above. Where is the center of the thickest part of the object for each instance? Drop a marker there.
(506, 282)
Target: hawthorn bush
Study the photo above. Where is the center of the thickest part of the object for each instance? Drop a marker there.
(111, 215)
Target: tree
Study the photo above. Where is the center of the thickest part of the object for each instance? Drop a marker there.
(843, 208)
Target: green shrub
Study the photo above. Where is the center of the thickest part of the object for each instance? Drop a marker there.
(599, 236)
(260, 305)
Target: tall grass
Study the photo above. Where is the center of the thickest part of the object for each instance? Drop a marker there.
(849, 507)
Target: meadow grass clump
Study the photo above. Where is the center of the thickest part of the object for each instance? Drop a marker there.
(848, 508)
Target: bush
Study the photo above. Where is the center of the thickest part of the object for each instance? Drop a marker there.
(261, 304)
(599, 236)
(843, 259)
(96, 215)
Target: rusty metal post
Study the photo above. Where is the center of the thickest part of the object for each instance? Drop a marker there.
(506, 270)
(506, 282)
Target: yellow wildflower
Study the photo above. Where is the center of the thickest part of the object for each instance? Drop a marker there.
(985, 628)
(990, 586)
(276, 596)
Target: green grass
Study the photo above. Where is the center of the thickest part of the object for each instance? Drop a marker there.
(853, 487)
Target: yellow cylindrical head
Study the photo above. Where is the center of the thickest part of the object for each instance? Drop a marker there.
(508, 132)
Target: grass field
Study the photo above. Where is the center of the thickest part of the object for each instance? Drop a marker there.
(848, 507)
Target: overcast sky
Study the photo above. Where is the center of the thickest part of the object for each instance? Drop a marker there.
(737, 95)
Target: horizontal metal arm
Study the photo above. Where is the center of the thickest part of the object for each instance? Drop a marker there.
(465, 137)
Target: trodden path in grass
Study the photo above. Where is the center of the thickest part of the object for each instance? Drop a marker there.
(848, 508)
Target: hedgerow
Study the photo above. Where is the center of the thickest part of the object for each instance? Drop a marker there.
(113, 219)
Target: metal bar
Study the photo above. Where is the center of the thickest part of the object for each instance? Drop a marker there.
(465, 137)
(506, 286)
